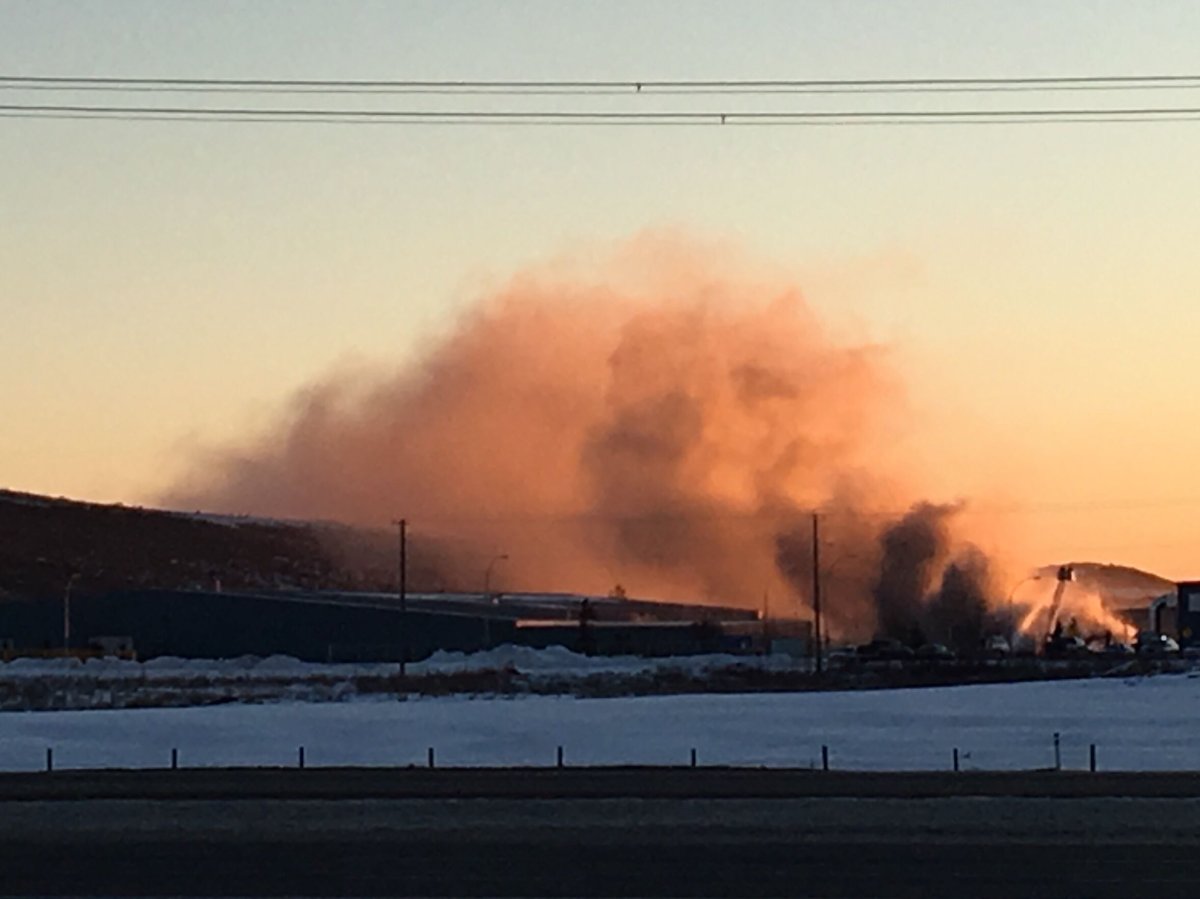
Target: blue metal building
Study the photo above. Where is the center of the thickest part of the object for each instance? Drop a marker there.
(342, 627)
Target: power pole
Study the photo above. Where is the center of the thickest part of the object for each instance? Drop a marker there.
(816, 587)
(67, 617)
(766, 621)
(403, 594)
(67, 611)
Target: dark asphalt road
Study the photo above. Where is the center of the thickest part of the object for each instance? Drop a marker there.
(167, 838)
(640, 867)
(583, 783)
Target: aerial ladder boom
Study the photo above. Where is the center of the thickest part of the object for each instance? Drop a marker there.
(1065, 574)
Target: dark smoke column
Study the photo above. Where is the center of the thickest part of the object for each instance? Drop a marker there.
(913, 547)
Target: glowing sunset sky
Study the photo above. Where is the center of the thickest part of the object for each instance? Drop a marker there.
(164, 285)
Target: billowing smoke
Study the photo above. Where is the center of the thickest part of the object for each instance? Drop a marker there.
(666, 426)
(914, 549)
(959, 613)
(931, 587)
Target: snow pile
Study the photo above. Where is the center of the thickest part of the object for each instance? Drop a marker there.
(173, 668)
(28, 684)
(522, 659)
(559, 660)
(526, 659)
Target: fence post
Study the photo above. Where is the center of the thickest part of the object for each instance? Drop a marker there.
(1057, 751)
(430, 757)
(955, 758)
(174, 759)
(824, 758)
(693, 757)
(300, 758)
(1092, 758)
(560, 756)
(49, 759)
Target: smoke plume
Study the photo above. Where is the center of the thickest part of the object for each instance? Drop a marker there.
(663, 422)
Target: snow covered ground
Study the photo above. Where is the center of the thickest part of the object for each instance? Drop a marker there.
(1142, 724)
(111, 683)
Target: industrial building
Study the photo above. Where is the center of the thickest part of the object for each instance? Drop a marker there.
(347, 627)
(1177, 614)
(1187, 601)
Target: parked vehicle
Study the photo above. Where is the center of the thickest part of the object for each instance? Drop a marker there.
(936, 652)
(1062, 647)
(841, 656)
(1150, 643)
(885, 649)
(996, 646)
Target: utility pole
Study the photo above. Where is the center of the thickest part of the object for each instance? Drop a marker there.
(402, 588)
(67, 609)
(766, 620)
(816, 588)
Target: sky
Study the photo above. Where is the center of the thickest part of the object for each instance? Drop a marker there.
(165, 286)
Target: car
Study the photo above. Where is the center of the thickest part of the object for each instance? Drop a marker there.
(1150, 643)
(1024, 645)
(1116, 648)
(996, 646)
(936, 652)
(1066, 647)
(885, 649)
(841, 656)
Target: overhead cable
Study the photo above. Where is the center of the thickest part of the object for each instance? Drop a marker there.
(581, 117)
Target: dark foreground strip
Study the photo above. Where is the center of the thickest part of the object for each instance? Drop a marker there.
(583, 783)
(648, 867)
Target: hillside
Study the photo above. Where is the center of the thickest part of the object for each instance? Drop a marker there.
(44, 541)
(1119, 586)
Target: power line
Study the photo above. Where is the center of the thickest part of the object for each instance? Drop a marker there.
(579, 117)
(435, 122)
(799, 514)
(695, 86)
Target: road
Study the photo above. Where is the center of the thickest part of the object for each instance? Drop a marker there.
(215, 833)
(587, 783)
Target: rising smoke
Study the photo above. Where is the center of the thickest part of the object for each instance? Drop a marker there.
(666, 424)
(929, 588)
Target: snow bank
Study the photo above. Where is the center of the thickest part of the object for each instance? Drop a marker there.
(61, 684)
(522, 659)
(559, 660)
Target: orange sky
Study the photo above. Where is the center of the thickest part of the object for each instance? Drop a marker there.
(166, 286)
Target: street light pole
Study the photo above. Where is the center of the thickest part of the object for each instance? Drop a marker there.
(487, 575)
(1012, 634)
(487, 592)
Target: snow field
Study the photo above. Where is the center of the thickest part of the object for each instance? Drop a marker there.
(1143, 724)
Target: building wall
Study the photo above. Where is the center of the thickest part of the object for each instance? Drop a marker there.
(342, 628)
(1188, 609)
(225, 625)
